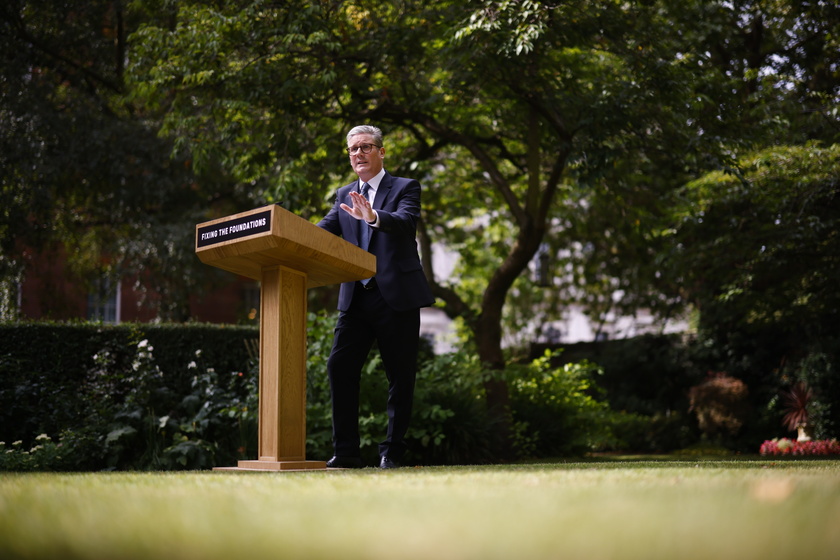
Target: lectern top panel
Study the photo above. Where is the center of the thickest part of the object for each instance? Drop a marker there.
(249, 242)
(234, 227)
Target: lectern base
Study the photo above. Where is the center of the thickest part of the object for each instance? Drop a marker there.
(275, 466)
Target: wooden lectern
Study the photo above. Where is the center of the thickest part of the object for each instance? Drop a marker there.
(287, 255)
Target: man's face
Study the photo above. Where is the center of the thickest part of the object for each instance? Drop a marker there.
(366, 165)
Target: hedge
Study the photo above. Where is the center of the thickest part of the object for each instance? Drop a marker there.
(48, 363)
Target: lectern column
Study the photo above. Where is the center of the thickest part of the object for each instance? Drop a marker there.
(282, 422)
(283, 365)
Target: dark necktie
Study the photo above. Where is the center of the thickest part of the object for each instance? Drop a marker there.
(364, 229)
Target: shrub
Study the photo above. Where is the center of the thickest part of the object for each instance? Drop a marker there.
(559, 410)
(645, 434)
(58, 377)
(450, 424)
(796, 400)
(44, 454)
(107, 397)
(646, 381)
(135, 407)
(648, 374)
(214, 423)
(720, 404)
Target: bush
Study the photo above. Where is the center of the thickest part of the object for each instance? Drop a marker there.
(68, 377)
(43, 455)
(558, 410)
(641, 433)
(645, 381)
(102, 396)
(720, 403)
(215, 423)
(450, 424)
(648, 374)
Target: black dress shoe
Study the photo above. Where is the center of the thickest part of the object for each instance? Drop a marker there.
(387, 463)
(344, 463)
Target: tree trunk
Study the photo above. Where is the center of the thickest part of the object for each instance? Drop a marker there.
(530, 216)
(488, 335)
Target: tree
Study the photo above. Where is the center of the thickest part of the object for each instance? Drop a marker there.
(758, 254)
(759, 78)
(531, 101)
(81, 166)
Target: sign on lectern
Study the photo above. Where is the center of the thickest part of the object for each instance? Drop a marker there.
(287, 255)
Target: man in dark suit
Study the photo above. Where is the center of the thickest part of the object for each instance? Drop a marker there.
(379, 212)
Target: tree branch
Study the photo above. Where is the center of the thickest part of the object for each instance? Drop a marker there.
(400, 115)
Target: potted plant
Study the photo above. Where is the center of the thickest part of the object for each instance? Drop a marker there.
(797, 418)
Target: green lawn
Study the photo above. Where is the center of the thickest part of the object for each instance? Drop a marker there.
(610, 509)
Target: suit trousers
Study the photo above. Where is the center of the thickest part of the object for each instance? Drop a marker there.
(367, 320)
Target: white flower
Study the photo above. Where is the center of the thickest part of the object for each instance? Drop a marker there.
(191, 365)
(198, 353)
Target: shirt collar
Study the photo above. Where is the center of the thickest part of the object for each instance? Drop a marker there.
(374, 181)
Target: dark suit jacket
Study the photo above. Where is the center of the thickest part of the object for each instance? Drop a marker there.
(399, 273)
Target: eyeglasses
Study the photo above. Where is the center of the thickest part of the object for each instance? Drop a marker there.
(364, 148)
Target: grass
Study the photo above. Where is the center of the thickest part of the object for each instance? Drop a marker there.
(594, 509)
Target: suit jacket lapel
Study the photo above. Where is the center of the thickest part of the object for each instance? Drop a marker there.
(383, 191)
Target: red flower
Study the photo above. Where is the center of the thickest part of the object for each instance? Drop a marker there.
(785, 446)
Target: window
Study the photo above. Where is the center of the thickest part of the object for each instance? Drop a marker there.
(104, 301)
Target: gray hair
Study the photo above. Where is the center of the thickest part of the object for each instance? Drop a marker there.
(366, 129)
